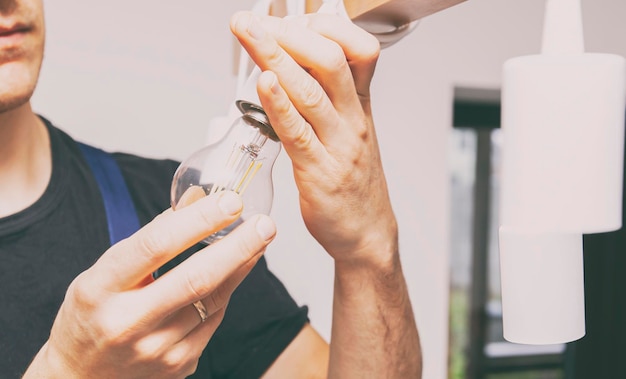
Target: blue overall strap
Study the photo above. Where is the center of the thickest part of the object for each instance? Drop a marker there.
(120, 210)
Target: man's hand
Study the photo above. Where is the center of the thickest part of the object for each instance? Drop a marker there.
(117, 322)
(316, 95)
(315, 90)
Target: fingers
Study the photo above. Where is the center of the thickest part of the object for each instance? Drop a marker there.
(162, 311)
(177, 326)
(333, 48)
(305, 92)
(190, 349)
(316, 100)
(155, 325)
(343, 43)
(315, 73)
(212, 272)
(361, 49)
(296, 135)
(190, 196)
(180, 352)
(188, 330)
(127, 263)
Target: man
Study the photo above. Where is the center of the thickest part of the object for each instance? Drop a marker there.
(114, 320)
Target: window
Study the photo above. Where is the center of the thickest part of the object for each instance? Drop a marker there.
(477, 347)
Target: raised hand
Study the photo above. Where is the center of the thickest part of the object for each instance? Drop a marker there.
(315, 90)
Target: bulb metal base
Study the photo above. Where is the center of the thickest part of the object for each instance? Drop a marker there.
(255, 114)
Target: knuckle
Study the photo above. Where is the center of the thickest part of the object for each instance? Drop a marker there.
(276, 56)
(357, 161)
(362, 133)
(196, 285)
(218, 298)
(148, 349)
(367, 48)
(112, 332)
(211, 301)
(102, 322)
(153, 244)
(286, 111)
(371, 48)
(177, 361)
(191, 367)
(304, 136)
(206, 216)
(218, 316)
(312, 93)
(82, 293)
(160, 216)
(284, 28)
(291, 119)
(247, 247)
(337, 59)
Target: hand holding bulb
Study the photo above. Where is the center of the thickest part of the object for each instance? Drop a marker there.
(316, 97)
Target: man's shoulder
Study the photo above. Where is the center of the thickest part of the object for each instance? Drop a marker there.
(143, 168)
(149, 181)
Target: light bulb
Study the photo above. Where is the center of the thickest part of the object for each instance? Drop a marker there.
(241, 161)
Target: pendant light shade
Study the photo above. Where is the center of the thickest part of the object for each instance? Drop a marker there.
(542, 286)
(563, 125)
(562, 169)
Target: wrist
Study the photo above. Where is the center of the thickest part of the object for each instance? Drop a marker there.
(373, 269)
(376, 252)
(39, 367)
(46, 366)
(378, 279)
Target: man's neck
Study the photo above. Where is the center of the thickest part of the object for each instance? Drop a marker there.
(25, 159)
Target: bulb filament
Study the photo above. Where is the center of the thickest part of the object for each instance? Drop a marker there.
(241, 167)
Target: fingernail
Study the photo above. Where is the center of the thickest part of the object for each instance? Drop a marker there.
(255, 29)
(265, 227)
(230, 203)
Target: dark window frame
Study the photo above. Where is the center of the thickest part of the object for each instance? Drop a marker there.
(480, 109)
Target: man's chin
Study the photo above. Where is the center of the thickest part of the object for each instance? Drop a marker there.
(8, 105)
(18, 86)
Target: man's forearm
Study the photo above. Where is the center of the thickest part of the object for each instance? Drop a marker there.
(374, 333)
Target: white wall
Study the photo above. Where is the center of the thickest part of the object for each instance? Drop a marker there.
(146, 77)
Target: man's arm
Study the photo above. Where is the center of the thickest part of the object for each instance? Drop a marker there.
(315, 90)
(374, 333)
(378, 337)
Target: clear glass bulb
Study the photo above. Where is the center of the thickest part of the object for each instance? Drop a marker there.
(241, 161)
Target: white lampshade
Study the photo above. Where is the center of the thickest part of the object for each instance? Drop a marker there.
(542, 286)
(563, 127)
(562, 175)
